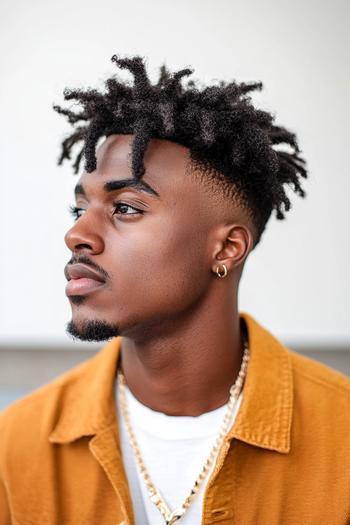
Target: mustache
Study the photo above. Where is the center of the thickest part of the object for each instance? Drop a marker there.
(83, 259)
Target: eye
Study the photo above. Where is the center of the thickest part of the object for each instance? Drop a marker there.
(119, 207)
(74, 211)
(122, 206)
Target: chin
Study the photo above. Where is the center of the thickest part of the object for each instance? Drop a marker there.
(93, 330)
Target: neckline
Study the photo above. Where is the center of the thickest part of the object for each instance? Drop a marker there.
(162, 426)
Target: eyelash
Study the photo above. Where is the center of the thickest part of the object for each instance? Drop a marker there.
(74, 210)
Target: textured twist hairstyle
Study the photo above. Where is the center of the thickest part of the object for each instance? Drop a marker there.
(228, 138)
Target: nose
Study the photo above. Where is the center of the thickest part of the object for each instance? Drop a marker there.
(85, 233)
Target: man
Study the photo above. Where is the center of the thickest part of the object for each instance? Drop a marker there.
(193, 412)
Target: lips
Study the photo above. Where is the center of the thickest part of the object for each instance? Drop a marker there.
(79, 271)
(82, 279)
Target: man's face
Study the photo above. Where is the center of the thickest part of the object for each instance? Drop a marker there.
(152, 249)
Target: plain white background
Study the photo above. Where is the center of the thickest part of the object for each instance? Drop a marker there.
(297, 281)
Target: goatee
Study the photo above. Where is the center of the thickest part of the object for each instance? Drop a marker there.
(93, 331)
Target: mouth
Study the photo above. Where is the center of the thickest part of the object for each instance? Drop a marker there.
(83, 286)
(82, 280)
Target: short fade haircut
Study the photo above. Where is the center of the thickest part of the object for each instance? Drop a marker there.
(228, 138)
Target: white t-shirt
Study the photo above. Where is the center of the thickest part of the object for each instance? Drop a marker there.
(174, 450)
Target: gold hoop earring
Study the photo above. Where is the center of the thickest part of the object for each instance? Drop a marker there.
(221, 275)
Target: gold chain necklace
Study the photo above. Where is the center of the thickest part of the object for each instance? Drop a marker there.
(171, 517)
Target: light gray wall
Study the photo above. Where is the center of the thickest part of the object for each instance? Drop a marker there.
(297, 282)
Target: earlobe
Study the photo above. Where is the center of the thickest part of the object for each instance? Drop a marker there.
(219, 274)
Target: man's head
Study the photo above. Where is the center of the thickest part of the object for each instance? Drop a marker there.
(209, 156)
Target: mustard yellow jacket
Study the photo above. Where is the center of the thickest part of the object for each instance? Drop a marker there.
(285, 461)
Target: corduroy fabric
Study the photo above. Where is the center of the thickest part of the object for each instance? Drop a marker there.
(285, 461)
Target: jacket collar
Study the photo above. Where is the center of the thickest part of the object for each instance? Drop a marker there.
(85, 396)
(265, 415)
(87, 403)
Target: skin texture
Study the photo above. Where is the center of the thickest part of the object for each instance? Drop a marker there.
(181, 344)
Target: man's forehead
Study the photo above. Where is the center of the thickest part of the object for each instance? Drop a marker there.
(165, 164)
(159, 152)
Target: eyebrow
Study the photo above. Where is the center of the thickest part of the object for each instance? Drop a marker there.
(113, 185)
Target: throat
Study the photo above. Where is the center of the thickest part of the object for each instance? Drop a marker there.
(178, 382)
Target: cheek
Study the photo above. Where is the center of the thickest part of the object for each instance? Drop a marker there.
(164, 270)
(168, 269)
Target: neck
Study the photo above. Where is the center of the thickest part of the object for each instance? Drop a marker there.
(187, 367)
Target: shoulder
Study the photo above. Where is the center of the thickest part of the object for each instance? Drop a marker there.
(320, 392)
(38, 411)
(321, 376)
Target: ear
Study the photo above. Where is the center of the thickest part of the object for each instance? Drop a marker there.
(233, 244)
